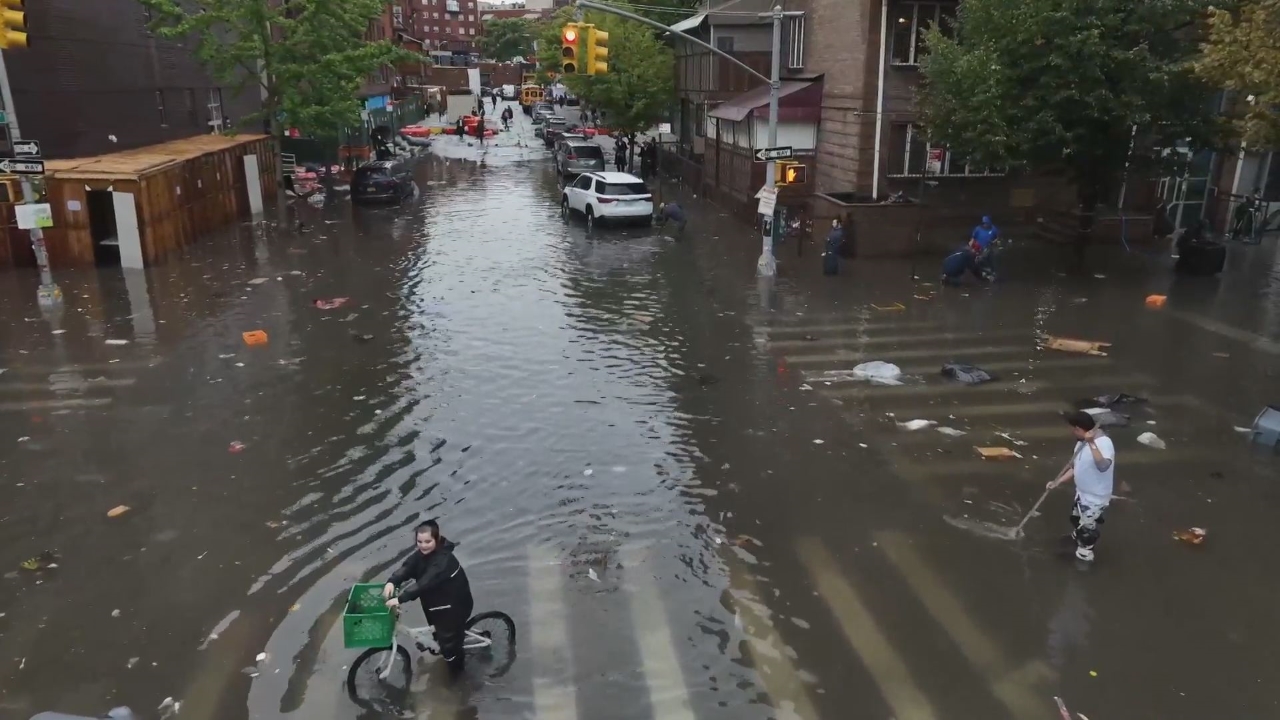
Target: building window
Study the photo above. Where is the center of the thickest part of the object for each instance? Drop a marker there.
(397, 14)
(795, 42)
(435, 28)
(193, 112)
(471, 31)
(911, 20)
(471, 18)
(164, 120)
(451, 6)
(435, 16)
(725, 44)
(907, 157)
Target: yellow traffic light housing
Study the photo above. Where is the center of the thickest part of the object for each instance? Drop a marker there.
(13, 21)
(570, 42)
(790, 174)
(597, 51)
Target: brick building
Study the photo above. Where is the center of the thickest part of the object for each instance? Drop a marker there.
(858, 62)
(449, 29)
(95, 80)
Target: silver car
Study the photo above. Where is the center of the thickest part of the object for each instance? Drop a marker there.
(574, 157)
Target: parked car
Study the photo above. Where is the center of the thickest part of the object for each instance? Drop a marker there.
(549, 129)
(382, 181)
(607, 197)
(566, 136)
(542, 111)
(578, 155)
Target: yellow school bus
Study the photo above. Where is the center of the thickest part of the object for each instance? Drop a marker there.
(529, 96)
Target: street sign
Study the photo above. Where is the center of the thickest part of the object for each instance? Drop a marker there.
(776, 153)
(22, 167)
(26, 148)
(768, 201)
(934, 164)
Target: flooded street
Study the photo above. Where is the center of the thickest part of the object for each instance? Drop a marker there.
(648, 463)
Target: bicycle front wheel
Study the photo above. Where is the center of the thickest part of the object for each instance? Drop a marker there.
(368, 689)
(490, 643)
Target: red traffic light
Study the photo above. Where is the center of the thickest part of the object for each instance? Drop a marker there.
(571, 35)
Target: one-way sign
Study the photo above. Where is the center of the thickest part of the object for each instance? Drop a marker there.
(26, 148)
(22, 167)
(777, 153)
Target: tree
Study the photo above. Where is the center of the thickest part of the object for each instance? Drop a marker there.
(309, 57)
(1061, 85)
(506, 38)
(1242, 54)
(639, 88)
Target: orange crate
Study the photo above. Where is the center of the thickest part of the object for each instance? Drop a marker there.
(255, 337)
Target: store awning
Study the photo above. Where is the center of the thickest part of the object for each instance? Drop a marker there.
(798, 101)
(688, 24)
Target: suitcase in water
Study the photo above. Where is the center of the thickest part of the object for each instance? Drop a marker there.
(1201, 259)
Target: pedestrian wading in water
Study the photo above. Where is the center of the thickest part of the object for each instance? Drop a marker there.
(1093, 471)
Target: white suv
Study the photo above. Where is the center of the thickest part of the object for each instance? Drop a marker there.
(607, 196)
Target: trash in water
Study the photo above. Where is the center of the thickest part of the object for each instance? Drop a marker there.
(255, 337)
(1193, 536)
(810, 338)
(1087, 347)
(132, 661)
(878, 372)
(591, 573)
(169, 707)
(1150, 439)
(261, 656)
(45, 560)
(362, 338)
(967, 374)
(117, 342)
(1110, 401)
(251, 671)
(806, 386)
(818, 442)
(996, 453)
(588, 472)
(1156, 301)
(951, 432)
(117, 511)
(1012, 439)
(917, 424)
(115, 613)
(257, 281)
(235, 447)
(895, 306)
(1105, 418)
(330, 304)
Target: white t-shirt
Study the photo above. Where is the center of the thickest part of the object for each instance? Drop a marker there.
(1095, 486)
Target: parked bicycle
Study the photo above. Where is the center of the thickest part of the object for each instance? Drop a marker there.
(379, 679)
(1249, 220)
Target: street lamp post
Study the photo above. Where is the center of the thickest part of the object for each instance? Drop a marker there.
(767, 265)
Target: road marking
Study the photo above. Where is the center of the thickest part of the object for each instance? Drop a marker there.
(845, 327)
(668, 693)
(554, 697)
(67, 385)
(770, 656)
(843, 358)
(878, 392)
(66, 404)
(952, 467)
(940, 412)
(947, 610)
(1084, 362)
(853, 341)
(1253, 340)
(861, 630)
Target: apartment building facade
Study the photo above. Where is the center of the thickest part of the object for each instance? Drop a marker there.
(450, 29)
(96, 80)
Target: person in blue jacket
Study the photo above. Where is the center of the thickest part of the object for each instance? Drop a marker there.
(980, 242)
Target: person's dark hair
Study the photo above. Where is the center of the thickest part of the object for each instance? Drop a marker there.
(431, 527)
(1081, 419)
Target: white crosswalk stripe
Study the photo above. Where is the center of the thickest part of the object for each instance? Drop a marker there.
(668, 693)
(554, 697)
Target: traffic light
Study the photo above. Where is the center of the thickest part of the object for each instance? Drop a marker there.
(13, 25)
(790, 174)
(597, 51)
(570, 41)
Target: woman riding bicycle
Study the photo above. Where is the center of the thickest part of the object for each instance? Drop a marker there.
(441, 585)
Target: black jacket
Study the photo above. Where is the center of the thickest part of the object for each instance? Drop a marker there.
(439, 579)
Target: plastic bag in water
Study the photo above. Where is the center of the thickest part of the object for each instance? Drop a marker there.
(878, 372)
(967, 374)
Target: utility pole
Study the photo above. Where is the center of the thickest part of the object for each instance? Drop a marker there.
(767, 265)
(48, 294)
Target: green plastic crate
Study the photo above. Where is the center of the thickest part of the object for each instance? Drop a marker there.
(367, 622)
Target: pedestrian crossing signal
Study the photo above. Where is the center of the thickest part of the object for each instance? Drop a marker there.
(569, 44)
(790, 174)
(13, 21)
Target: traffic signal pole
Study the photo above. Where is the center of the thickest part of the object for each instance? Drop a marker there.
(48, 294)
(767, 265)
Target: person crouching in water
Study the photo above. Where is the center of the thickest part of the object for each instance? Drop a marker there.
(831, 252)
(671, 212)
(441, 585)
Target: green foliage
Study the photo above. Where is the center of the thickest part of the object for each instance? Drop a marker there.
(309, 57)
(506, 38)
(1060, 85)
(1242, 54)
(639, 88)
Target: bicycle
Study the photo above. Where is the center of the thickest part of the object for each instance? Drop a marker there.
(379, 678)
(1248, 222)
